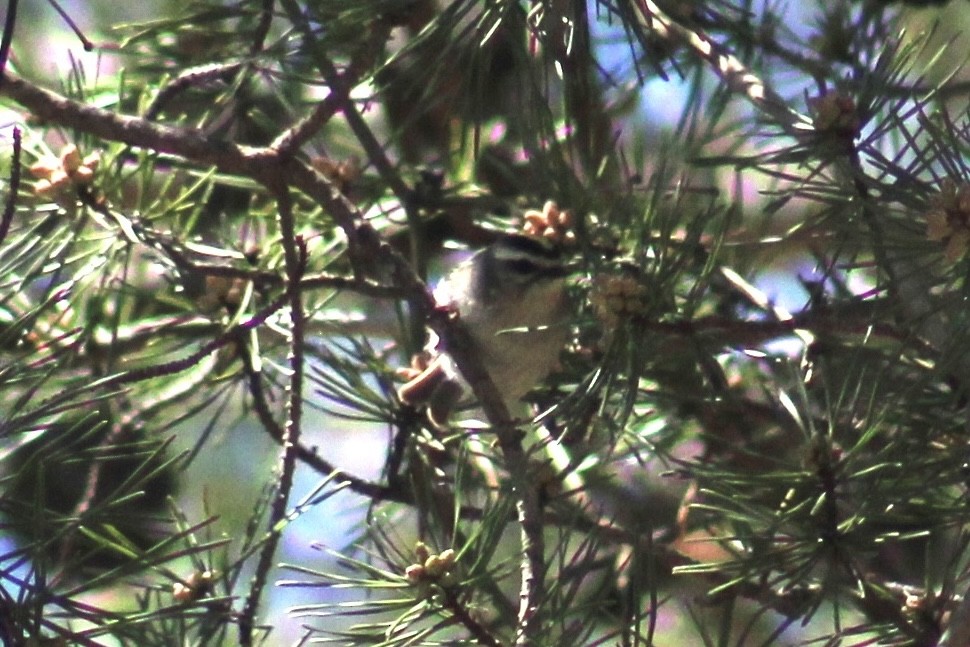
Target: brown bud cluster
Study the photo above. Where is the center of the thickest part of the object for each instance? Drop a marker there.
(69, 169)
(552, 223)
(431, 568)
(835, 113)
(197, 586)
(948, 220)
(618, 298)
(343, 173)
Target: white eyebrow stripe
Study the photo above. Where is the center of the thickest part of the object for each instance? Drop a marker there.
(523, 256)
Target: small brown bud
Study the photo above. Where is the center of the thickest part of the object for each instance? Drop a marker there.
(70, 158)
(414, 573)
(421, 551)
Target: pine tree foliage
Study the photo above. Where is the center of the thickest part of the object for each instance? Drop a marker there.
(217, 238)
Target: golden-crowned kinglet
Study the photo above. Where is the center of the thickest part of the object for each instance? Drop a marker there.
(511, 296)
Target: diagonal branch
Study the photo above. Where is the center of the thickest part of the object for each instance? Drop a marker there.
(528, 505)
(726, 65)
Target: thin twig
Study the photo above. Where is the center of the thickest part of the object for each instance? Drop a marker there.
(295, 257)
(462, 349)
(362, 59)
(340, 86)
(112, 439)
(7, 39)
(262, 29)
(50, 405)
(475, 628)
(87, 44)
(289, 141)
(10, 205)
(190, 78)
(375, 152)
(305, 455)
(269, 279)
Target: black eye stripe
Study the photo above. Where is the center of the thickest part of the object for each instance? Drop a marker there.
(522, 266)
(527, 256)
(513, 246)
